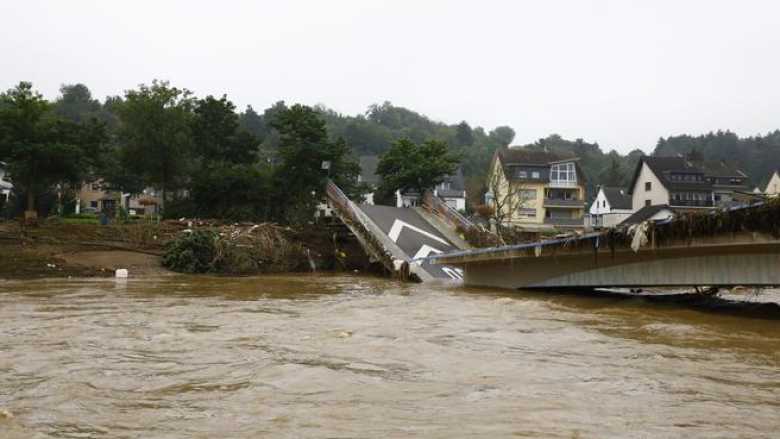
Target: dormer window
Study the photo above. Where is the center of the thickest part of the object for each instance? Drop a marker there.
(522, 174)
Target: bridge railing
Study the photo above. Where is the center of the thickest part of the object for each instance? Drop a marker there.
(475, 235)
(343, 203)
(444, 211)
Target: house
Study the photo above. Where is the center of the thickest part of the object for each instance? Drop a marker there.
(5, 185)
(773, 187)
(536, 190)
(368, 175)
(611, 207)
(452, 191)
(93, 197)
(687, 185)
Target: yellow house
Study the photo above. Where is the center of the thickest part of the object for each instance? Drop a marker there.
(536, 190)
(773, 188)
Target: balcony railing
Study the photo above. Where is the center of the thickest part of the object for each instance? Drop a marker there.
(565, 222)
(557, 202)
(563, 184)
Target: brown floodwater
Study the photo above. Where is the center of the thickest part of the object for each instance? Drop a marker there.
(329, 356)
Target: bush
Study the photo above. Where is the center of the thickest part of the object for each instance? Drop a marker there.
(192, 252)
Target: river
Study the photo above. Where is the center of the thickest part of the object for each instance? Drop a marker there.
(335, 356)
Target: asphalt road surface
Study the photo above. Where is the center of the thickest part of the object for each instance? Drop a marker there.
(415, 236)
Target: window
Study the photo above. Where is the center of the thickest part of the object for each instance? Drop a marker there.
(604, 203)
(563, 172)
(93, 204)
(526, 213)
(648, 186)
(648, 203)
(536, 175)
(522, 174)
(527, 194)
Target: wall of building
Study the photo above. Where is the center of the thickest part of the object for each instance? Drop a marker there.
(657, 194)
(773, 188)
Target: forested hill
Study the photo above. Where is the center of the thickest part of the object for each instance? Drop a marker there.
(759, 156)
(372, 132)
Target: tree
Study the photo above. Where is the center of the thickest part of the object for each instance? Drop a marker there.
(252, 122)
(695, 155)
(307, 159)
(507, 198)
(157, 134)
(613, 176)
(503, 135)
(216, 136)
(42, 149)
(76, 104)
(464, 135)
(407, 165)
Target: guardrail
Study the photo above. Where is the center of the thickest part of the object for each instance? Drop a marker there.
(442, 210)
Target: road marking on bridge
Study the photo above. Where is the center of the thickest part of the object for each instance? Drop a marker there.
(425, 251)
(399, 225)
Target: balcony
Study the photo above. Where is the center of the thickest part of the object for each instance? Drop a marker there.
(565, 222)
(563, 184)
(566, 204)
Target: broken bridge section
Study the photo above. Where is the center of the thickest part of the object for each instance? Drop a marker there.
(415, 236)
(398, 237)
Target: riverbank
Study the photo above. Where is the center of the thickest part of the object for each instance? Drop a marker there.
(49, 249)
(57, 250)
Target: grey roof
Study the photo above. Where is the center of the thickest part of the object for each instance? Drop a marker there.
(618, 198)
(368, 168)
(645, 213)
(662, 167)
(456, 185)
(515, 159)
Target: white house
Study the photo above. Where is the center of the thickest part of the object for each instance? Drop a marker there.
(611, 207)
(773, 188)
(5, 185)
(687, 185)
(452, 191)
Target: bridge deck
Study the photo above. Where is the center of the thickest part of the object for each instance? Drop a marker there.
(397, 236)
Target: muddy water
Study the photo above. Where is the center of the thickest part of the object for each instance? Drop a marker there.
(348, 357)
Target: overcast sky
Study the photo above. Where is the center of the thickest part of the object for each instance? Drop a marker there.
(622, 73)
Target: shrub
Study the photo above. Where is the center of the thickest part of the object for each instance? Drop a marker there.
(192, 252)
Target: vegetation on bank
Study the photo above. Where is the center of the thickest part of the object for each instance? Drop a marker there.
(236, 250)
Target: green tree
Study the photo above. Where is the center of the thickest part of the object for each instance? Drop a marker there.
(156, 123)
(42, 149)
(464, 135)
(503, 135)
(613, 176)
(252, 122)
(307, 158)
(76, 103)
(407, 165)
(216, 135)
(695, 155)
(232, 191)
